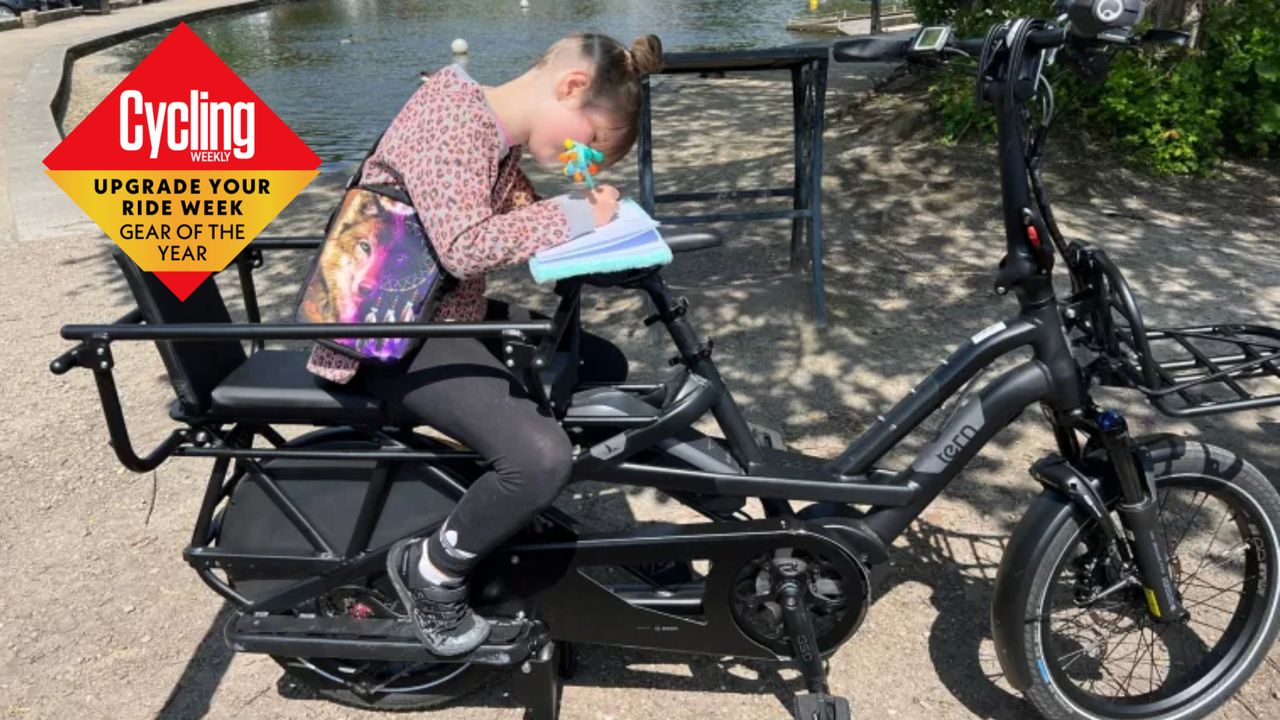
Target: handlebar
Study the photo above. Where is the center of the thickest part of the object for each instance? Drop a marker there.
(876, 48)
(970, 46)
(1086, 22)
(892, 47)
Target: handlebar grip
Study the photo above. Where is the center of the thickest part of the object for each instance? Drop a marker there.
(1044, 39)
(878, 48)
(1036, 40)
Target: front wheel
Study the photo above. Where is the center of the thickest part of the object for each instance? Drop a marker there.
(1108, 658)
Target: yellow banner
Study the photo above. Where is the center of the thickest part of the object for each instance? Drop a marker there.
(182, 220)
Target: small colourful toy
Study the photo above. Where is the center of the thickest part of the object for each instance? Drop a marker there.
(581, 162)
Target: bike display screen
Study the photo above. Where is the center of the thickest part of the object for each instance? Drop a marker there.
(930, 39)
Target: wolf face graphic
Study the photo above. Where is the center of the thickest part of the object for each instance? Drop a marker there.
(353, 257)
(373, 268)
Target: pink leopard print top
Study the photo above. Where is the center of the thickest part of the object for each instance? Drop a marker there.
(478, 208)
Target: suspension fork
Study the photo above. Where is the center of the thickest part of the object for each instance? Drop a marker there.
(1139, 509)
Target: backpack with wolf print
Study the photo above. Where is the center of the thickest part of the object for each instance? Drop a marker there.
(376, 265)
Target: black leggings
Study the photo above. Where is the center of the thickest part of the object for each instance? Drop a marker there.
(460, 387)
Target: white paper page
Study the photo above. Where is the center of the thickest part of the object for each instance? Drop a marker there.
(631, 220)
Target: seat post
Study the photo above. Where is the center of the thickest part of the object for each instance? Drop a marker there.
(697, 356)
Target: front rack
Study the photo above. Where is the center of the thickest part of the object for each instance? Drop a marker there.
(1185, 371)
(1209, 370)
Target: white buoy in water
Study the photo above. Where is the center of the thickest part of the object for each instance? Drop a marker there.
(524, 4)
(459, 47)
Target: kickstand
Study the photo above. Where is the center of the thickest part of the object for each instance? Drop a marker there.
(537, 684)
(792, 585)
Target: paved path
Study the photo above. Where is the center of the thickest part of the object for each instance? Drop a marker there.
(32, 208)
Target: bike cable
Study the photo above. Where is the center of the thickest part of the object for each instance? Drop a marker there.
(960, 398)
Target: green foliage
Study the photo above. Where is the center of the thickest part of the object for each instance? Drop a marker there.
(960, 114)
(1169, 110)
(1158, 111)
(972, 18)
(1242, 55)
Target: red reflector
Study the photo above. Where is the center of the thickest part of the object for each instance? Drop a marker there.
(1033, 236)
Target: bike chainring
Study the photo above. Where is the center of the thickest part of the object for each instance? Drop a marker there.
(836, 598)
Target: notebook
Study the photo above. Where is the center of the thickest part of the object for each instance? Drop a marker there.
(631, 241)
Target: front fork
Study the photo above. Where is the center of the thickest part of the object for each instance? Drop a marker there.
(1139, 509)
(1137, 542)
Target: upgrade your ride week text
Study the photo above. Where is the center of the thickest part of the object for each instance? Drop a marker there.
(213, 219)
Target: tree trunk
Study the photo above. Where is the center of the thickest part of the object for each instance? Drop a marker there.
(1179, 15)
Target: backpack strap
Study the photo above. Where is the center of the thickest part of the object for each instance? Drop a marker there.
(399, 191)
(358, 176)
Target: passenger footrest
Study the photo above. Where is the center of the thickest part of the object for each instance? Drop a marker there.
(510, 642)
(820, 706)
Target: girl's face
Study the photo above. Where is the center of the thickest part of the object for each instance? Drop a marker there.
(561, 117)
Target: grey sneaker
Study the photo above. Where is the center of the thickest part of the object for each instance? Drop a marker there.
(441, 617)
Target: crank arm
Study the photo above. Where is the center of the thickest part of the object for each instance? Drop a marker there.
(792, 590)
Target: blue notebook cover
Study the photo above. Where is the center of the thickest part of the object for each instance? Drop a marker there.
(631, 241)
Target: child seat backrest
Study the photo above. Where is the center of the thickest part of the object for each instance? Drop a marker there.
(194, 367)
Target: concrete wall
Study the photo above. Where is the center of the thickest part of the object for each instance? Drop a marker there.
(36, 18)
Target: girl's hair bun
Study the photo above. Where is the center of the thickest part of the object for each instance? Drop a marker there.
(646, 55)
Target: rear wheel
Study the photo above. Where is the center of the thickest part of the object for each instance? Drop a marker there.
(379, 685)
(252, 523)
(1107, 657)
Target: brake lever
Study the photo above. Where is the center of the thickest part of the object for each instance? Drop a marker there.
(1163, 37)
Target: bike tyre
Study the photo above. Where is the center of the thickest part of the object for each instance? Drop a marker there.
(1174, 461)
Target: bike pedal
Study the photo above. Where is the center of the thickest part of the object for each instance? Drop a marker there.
(767, 436)
(820, 706)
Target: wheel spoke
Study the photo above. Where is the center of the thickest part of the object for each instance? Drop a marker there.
(1200, 621)
(1132, 668)
(1117, 635)
(1200, 583)
(1190, 522)
(1228, 556)
(1212, 541)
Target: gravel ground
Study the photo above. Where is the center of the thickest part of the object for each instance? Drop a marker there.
(103, 619)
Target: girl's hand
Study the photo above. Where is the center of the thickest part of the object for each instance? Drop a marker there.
(604, 200)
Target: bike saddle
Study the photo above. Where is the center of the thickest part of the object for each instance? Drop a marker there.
(690, 241)
(679, 243)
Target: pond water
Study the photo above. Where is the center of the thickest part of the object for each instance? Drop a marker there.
(336, 71)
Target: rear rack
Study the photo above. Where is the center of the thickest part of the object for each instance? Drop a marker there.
(1184, 371)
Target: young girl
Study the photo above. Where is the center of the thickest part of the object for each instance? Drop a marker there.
(457, 147)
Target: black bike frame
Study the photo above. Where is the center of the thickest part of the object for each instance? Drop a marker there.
(893, 499)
